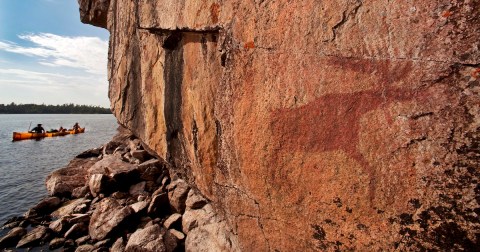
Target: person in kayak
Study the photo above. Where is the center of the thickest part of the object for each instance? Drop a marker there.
(38, 129)
(61, 129)
(76, 127)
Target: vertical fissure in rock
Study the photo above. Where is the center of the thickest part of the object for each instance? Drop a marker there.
(195, 136)
(218, 128)
(132, 94)
(173, 76)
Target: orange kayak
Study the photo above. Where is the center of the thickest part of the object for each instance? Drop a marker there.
(27, 135)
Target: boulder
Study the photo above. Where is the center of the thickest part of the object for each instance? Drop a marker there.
(150, 186)
(177, 234)
(159, 204)
(198, 217)
(47, 205)
(80, 192)
(137, 189)
(96, 200)
(79, 218)
(177, 195)
(13, 222)
(125, 178)
(158, 191)
(11, 225)
(170, 241)
(80, 209)
(82, 240)
(150, 170)
(120, 195)
(120, 151)
(107, 217)
(154, 162)
(69, 207)
(24, 224)
(109, 148)
(69, 243)
(141, 155)
(92, 153)
(135, 161)
(173, 221)
(149, 239)
(62, 182)
(101, 244)
(164, 181)
(124, 174)
(211, 237)
(103, 166)
(142, 197)
(76, 231)
(85, 248)
(31, 214)
(195, 200)
(34, 237)
(35, 222)
(56, 243)
(144, 221)
(88, 195)
(128, 201)
(12, 237)
(60, 225)
(139, 206)
(123, 135)
(99, 183)
(118, 245)
(134, 144)
(127, 157)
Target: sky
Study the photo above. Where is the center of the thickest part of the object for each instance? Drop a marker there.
(47, 56)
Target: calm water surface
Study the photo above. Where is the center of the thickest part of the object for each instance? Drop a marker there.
(24, 165)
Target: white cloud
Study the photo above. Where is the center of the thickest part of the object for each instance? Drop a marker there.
(52, 88)
(69, 69)
(20, 74)
(87, 53)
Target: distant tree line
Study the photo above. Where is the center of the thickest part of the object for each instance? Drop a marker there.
(71, 108)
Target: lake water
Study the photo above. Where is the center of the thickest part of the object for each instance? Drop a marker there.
(25, 164)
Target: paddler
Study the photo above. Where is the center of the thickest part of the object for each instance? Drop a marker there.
(76, 127)
(38, 129)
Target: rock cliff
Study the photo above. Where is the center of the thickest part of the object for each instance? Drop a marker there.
(311, 125)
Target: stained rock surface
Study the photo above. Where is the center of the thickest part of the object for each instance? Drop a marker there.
(311, 125)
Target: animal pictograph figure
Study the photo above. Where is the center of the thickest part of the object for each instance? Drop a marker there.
(332, 122)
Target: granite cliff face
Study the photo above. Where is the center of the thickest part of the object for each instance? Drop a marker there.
(312, 125)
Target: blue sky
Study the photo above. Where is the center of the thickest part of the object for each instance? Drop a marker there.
(48, 56)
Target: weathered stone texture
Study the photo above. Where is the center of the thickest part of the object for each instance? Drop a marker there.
(94, 11)
(64, 181)
(313, 125)
(106, 217)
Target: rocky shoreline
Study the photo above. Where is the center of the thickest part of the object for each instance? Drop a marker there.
(118, 197)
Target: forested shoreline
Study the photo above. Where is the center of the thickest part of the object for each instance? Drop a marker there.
(71, 108)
